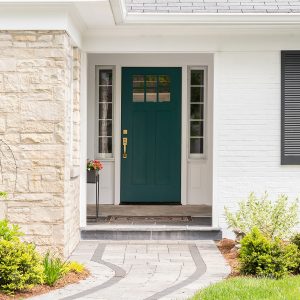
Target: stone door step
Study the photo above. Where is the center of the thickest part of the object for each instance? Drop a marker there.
(152, 232)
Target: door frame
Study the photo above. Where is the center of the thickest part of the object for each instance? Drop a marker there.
(177, 71)
(117, 132)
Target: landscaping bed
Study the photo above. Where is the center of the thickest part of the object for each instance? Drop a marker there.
(70, 278)
(228, 250)
(265, 258)
(24, 272)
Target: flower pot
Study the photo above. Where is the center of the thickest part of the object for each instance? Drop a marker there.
(91, 176)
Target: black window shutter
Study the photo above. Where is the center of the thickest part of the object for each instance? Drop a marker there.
(290, 107)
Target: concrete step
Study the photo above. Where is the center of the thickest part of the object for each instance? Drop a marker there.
(150, 232)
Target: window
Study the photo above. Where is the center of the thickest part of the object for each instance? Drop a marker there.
(290, 108)
(151, 88)
(105, 111)
(197, 92)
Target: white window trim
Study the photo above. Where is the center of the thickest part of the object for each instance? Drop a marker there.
(197, 156)
(104, 156)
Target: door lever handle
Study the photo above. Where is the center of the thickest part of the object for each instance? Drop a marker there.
(125, 147)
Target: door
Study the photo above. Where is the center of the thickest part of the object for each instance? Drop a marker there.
(151, 135)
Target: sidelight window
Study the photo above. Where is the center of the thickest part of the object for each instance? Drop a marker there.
(197, 86)
(105, 111)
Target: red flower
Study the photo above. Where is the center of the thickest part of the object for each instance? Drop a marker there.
(94, 165)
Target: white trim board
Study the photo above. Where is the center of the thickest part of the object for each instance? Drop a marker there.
(43, 17)
(213, 18)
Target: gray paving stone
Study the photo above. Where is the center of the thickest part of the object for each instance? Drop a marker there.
(138, 270)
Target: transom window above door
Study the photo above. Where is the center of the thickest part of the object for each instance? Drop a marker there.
(151, 88)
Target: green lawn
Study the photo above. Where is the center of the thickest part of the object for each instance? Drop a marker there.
(252, 289)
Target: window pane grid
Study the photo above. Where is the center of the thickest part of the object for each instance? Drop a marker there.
(105, 112)
(196, 111)
(151, 88)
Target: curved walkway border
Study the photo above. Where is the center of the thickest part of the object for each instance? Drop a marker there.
(119, 273)
(200, 270)
(209, 267)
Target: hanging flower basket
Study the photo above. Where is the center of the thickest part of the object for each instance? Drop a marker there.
(93, 168)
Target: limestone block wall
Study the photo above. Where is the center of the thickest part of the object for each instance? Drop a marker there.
(71, 205)
(39, 104)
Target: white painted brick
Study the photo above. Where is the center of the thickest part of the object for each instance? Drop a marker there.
(248, 130)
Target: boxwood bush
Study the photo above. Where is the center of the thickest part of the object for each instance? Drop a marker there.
(20, 266)
(296, 240)
(9, 231)
(262, 256)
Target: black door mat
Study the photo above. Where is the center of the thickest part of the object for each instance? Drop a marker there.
(165, 220)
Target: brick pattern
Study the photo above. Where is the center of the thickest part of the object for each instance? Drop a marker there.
(35, 114)
(248, 130)
(213, 6)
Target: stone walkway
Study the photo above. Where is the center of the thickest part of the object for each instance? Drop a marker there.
(144, 270)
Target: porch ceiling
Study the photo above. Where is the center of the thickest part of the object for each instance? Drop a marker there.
(212, 6)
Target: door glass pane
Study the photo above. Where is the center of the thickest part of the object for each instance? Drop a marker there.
(196, 128)
(105, 94)
(151, 88)
(138, 88)
(197, 77)
(105, 111)
(197, 94)
(105, 145)
(196, 145)
(197, 111)
(105, 77)
(164, 83)
(105, 128)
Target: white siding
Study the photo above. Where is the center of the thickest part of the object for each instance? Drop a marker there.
(247, 131)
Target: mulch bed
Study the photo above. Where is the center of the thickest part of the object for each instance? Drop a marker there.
(227, 248)
(69, 278)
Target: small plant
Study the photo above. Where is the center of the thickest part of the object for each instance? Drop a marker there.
(3, 195)
(54, 269)
(261, 256)
(94, 165)
(20, 266)
(272, 219)
(74, 266)
(9, 231)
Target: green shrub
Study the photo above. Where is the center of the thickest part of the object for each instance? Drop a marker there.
(272, 219)
(261, 256)
(3, 195)
(54, 269)
(20, 266)
(9, 231)
(74, 266)
(296, 240)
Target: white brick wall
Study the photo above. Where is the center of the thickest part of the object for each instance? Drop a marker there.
(247, 130)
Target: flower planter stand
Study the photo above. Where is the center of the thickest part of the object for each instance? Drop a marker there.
(93, 177)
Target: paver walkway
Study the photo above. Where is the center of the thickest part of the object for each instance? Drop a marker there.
(144, 270)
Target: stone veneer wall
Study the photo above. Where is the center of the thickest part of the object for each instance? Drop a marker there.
(39, 121)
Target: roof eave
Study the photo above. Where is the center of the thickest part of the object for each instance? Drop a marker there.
(122, 17)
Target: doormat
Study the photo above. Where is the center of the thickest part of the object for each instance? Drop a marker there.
(139, 219)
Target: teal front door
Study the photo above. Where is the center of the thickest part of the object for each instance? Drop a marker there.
(151, 135)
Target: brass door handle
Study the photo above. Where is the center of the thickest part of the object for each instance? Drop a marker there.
(125, 147)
